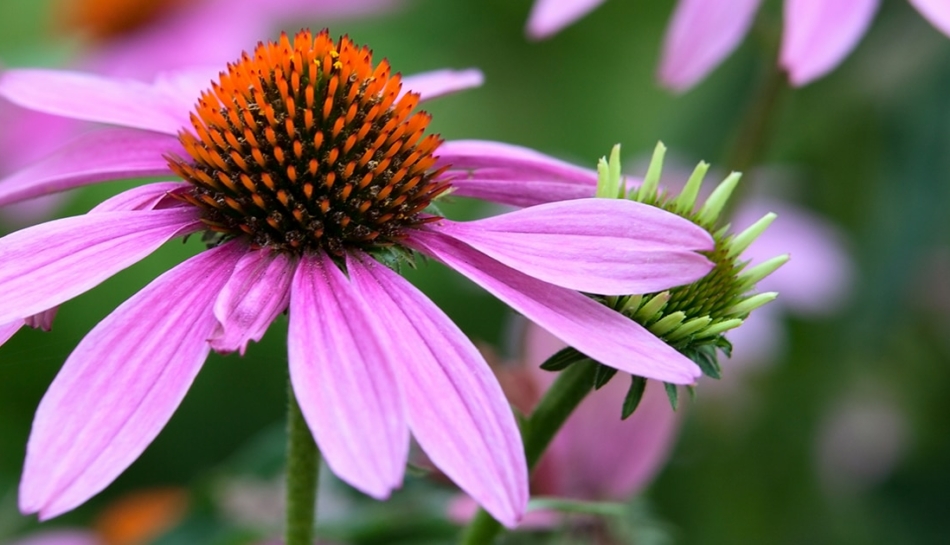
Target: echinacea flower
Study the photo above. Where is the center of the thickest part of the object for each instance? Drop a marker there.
(141, 39)
(817, 35)
(306, 168)
(691, 318)
(595, 456)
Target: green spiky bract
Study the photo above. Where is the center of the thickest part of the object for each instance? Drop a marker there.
(691, 318)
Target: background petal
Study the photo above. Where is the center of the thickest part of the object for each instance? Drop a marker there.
(456, 408)
(596, 455)
(604, 246)
(99, 156)
(603, 334)
(513, 175)
(548, 17)
(257, 292)
(818, 35)
(935, 11)
(76, 95)
(121, 385)
(437, 83)
(701, 34)
(347, 393)
(50, 263)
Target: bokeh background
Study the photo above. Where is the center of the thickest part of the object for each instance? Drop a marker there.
(833, 429)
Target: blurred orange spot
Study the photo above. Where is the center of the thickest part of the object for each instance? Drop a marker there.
(140, 517)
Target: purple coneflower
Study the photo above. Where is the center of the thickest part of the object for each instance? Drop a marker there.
(141, 39)
(305, 167)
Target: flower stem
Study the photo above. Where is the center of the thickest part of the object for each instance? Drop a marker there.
(755, 128)
(571, 387)
(303, 472)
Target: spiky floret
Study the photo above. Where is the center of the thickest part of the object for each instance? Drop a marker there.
(306, 145)
(690, 318)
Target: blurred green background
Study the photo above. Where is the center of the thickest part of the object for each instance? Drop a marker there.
(868, 148)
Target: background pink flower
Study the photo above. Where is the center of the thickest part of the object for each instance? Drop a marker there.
(595, 456)
(815, 282)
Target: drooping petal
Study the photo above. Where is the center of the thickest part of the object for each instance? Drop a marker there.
(437, 83)
(110, 154)
(347, 392)
(512, 175)
(43, 320)
(457, 411)
(50, 263)
(143, 197)
(254, 296)
(120, 386)
(818, 35)
(9, 329)
(548, 17)
(701, 34)
(601, 333)
(935, 11)
(604, 246)
(76, 95)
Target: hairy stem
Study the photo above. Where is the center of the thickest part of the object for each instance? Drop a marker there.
(303, 472)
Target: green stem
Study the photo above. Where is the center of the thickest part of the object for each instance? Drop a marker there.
(571, 387)
(303, 472)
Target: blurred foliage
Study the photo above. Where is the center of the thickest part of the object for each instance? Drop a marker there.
(868, 148)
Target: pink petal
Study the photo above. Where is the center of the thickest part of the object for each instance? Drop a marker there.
(818, 35)
(935, 11)
(605, 246)
(346, 389)
(255, 295)
(50, 263)
(28, 136)
(462, 508)
(601, 333)
(42, 320)
(456, 408)
(111, 154)
(76, 95)
(701, 35)
(598, 456)
(9, 329)
(143, 197)
(512, 174)
(121, 385)
(548, 17)
(437, 83)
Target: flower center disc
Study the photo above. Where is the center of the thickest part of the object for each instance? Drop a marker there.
(306, 145)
